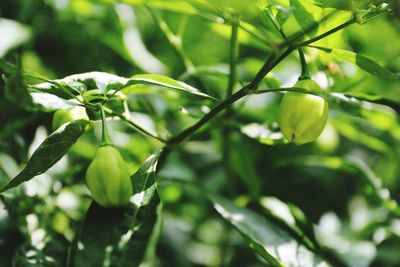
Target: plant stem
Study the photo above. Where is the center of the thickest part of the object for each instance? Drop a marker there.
(269, 64)
(141, 129)
(304, 70)
(135, 125)
(300, 34)
(233, 55)
(325, 34)
(287, 89)
(217, 109)
(174, 40)
(276, 25)
(268, 44)
(106, 140)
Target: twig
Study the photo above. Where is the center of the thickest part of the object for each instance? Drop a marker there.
(135, 125)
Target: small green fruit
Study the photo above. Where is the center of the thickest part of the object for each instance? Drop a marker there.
(303, 116)
(108, 178)
(62, 116)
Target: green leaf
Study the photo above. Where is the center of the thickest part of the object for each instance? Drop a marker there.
(15, 91)
(160, 80)
(283, 15)
(315, 19)
(279, 11)
(120, 237)
(49, 152)
(372, 185)
(337, 4)
(376, 99)
(306, 14)
(352, 130)
(241, 162)
(370, 182)
(49, 102)
(269, 240)
(105, 81)
(292, 217)
(361, 61)
(373, 11)
(6, 66)
(378, 111)
(355, 104)
(82, 82)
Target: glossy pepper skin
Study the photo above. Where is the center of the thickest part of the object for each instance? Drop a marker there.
(62, 116)
(302, 117)
(108, 178)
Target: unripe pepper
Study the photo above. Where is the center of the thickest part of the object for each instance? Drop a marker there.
(303, 116)
(108, 178)
(62, 116)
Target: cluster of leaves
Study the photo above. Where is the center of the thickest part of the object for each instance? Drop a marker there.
(214, 181)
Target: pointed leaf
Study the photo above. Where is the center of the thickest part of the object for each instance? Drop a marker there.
(306, 14)
(376, 99)
(167, 82)
(365, 15)
(15, 91)
(105, 82)
(243, 165)
(337, 4)
(49, 102)
(49, 152)
(371, 183)
(279, 12)
(361, 61)
(269, 240)
(81, 82)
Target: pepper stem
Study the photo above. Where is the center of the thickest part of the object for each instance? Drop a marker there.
(105, 139)
(305, 75)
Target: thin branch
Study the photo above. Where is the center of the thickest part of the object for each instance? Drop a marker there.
(233, 54)
(174, 39)
(267, 42)
(217, 109)
(325, 34)
(289, 89)
(300, 34)
(269, 64)
(276, 25)
(135, 125)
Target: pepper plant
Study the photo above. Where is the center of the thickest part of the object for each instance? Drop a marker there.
(199, 133)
